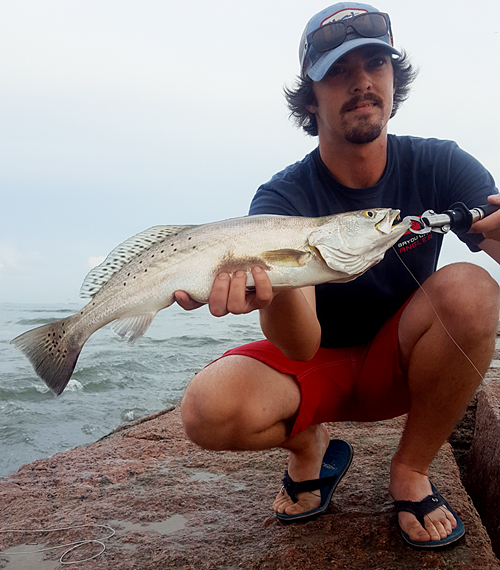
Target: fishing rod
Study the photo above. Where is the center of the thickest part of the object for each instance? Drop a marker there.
(458, 219)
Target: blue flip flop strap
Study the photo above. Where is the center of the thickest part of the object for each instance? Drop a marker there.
(292, 487)
(420, 508)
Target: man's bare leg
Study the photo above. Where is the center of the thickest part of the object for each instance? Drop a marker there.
(238, 403)
(441, 380)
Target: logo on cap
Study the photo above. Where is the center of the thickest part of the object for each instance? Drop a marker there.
(343, 15)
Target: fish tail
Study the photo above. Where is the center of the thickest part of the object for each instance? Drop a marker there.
(52, 351)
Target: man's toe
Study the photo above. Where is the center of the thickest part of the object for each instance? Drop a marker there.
(436, 530)
(418, 533)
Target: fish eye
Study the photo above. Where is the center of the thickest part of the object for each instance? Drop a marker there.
(369, 214)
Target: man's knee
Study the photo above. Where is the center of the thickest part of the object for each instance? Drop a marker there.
(201, 411)
(235, 401)
(461, 300)
(213, 404)
(465, 293)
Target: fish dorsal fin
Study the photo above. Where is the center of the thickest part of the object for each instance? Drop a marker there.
(124, 253)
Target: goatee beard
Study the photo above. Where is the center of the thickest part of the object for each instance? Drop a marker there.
(364, 131)
(363, 134)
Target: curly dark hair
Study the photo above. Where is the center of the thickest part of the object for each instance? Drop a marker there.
(302, 94)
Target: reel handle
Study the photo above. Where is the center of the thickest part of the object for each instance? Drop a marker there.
(461, 218)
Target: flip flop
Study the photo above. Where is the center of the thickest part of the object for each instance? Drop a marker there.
(424, 507)
(336, 462)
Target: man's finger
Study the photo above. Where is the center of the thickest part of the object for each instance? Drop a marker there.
(237, 298)
(263, 288)
(218, 297)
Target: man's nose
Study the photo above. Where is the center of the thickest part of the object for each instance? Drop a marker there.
(360, 80)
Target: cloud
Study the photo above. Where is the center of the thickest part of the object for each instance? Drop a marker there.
(94, 261)
(13, 261)
(8, 258)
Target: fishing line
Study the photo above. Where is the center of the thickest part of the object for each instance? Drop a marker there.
(74, 545)
(436, 313)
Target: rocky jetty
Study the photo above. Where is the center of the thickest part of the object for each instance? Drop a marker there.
(175, 506)
(483, 461)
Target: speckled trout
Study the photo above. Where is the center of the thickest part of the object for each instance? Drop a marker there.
(140, 276)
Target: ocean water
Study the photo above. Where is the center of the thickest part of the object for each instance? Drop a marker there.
(113, 382)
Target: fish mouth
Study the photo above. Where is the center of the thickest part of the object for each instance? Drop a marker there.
(389, 222)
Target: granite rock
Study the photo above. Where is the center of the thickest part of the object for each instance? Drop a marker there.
(483, 461)
(176, 506)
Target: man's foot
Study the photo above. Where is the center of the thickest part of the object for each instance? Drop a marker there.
(304, 464)
(409, 485)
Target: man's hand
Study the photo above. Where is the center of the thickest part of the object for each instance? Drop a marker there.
(489, 226)
(229, 294)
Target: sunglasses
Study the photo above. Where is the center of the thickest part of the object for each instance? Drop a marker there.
(330, 36)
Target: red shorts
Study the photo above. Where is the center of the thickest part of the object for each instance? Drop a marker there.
(361, 384)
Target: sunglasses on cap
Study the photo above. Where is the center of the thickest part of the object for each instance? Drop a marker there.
(369, 25)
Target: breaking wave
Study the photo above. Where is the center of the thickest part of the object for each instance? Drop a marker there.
(113, 382)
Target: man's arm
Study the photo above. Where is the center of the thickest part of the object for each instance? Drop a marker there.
(492, 248)
(291, 324)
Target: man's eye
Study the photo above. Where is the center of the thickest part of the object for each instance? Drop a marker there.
(377, 62)
(334, 70)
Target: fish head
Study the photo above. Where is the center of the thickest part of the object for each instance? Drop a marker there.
(352, 242)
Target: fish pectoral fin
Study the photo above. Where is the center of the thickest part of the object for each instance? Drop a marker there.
(133, 327)
(285, 257)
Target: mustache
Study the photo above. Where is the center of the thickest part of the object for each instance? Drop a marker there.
(355, 101)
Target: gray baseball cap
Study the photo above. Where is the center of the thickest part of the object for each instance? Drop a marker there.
(339, 29)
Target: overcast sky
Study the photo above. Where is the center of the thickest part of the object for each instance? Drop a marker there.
(117, 115)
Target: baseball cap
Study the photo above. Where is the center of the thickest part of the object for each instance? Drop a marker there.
(315, 56)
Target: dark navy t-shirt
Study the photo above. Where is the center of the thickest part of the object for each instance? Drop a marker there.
(421, 174)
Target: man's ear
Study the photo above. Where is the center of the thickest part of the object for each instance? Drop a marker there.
(312, 108)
